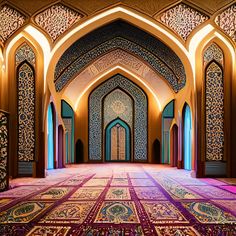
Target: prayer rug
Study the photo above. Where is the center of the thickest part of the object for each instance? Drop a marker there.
(117, 212)
(176, 230)
(96, 182)
(213, 192)
(206, 212)
(53, 193)
(228, 204)
(137, 175)
(163, 212)
(69, 212)
(23, 212)
(118, 193)
(89, 193)
(21, 191)
(149, 193)
(5, 201)
(49, 231)
(119, 182)
(230, 188)
(177, 191)
(142, 182)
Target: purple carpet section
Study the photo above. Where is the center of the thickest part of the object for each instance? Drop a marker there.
(118, 200)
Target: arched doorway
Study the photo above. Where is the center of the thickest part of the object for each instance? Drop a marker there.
(118, 139)
(50, 136)
(174, 145)
(187, 138)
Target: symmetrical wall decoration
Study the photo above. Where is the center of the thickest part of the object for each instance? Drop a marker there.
(96, 116)
(11, 21)
(118, 104)
(214, 99)
(120, 35)
(213, 52)
(56, 19)
(183, 19)
(227, 21)
(4, 155)
(26, 113)
(25, 52)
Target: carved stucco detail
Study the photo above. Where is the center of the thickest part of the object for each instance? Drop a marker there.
(183, 19)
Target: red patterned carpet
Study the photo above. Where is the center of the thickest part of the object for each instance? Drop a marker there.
(118, 200)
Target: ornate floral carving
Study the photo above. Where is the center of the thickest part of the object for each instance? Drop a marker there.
(3, 151)
(213, 52)
(183, 19)
(118, 104)
(26, 113)
(25, 52)
(227, 21)
(56, 19)
(214, 112)
(11, 21)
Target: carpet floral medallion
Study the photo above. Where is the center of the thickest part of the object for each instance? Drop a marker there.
(118, 193)
(117, 212)
(23, 212)
(118, 199)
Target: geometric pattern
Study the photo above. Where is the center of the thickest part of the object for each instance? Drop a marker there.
(49, 230)
(56, 19)
(117, 212)
(96, 116)
(176, 230)
(53, 193)
(96, 182)
(87, 194)
(119, 182)
(183, 19)
(11, 21)
(150, 193)
(214, 92)
(120, 35)
(206, 212)
(69, 212)
(163, 212)
(25, 52)
(213, 192)
(227, 21)
(118, 193)
(26, 112)
(213, 52)
(142, 182)
(23, 212)
(4, 155)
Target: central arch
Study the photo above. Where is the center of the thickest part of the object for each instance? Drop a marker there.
(96, 118)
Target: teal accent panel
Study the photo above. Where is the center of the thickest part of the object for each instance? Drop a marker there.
(50, 138)
(167, 116)
(108, 138)
(169, 110)
(187, 139)
(67, 112)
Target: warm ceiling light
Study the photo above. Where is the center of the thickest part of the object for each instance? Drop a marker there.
(108, 72)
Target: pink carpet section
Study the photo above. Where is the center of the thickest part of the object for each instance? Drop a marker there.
(118, 199)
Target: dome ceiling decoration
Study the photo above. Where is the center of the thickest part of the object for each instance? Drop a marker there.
(227, 21)
(56, 19)
(182, 19)
(11, 21)
(120, 35)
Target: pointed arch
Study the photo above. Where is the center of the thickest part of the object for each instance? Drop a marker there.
(187, 137)
(123, 152)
